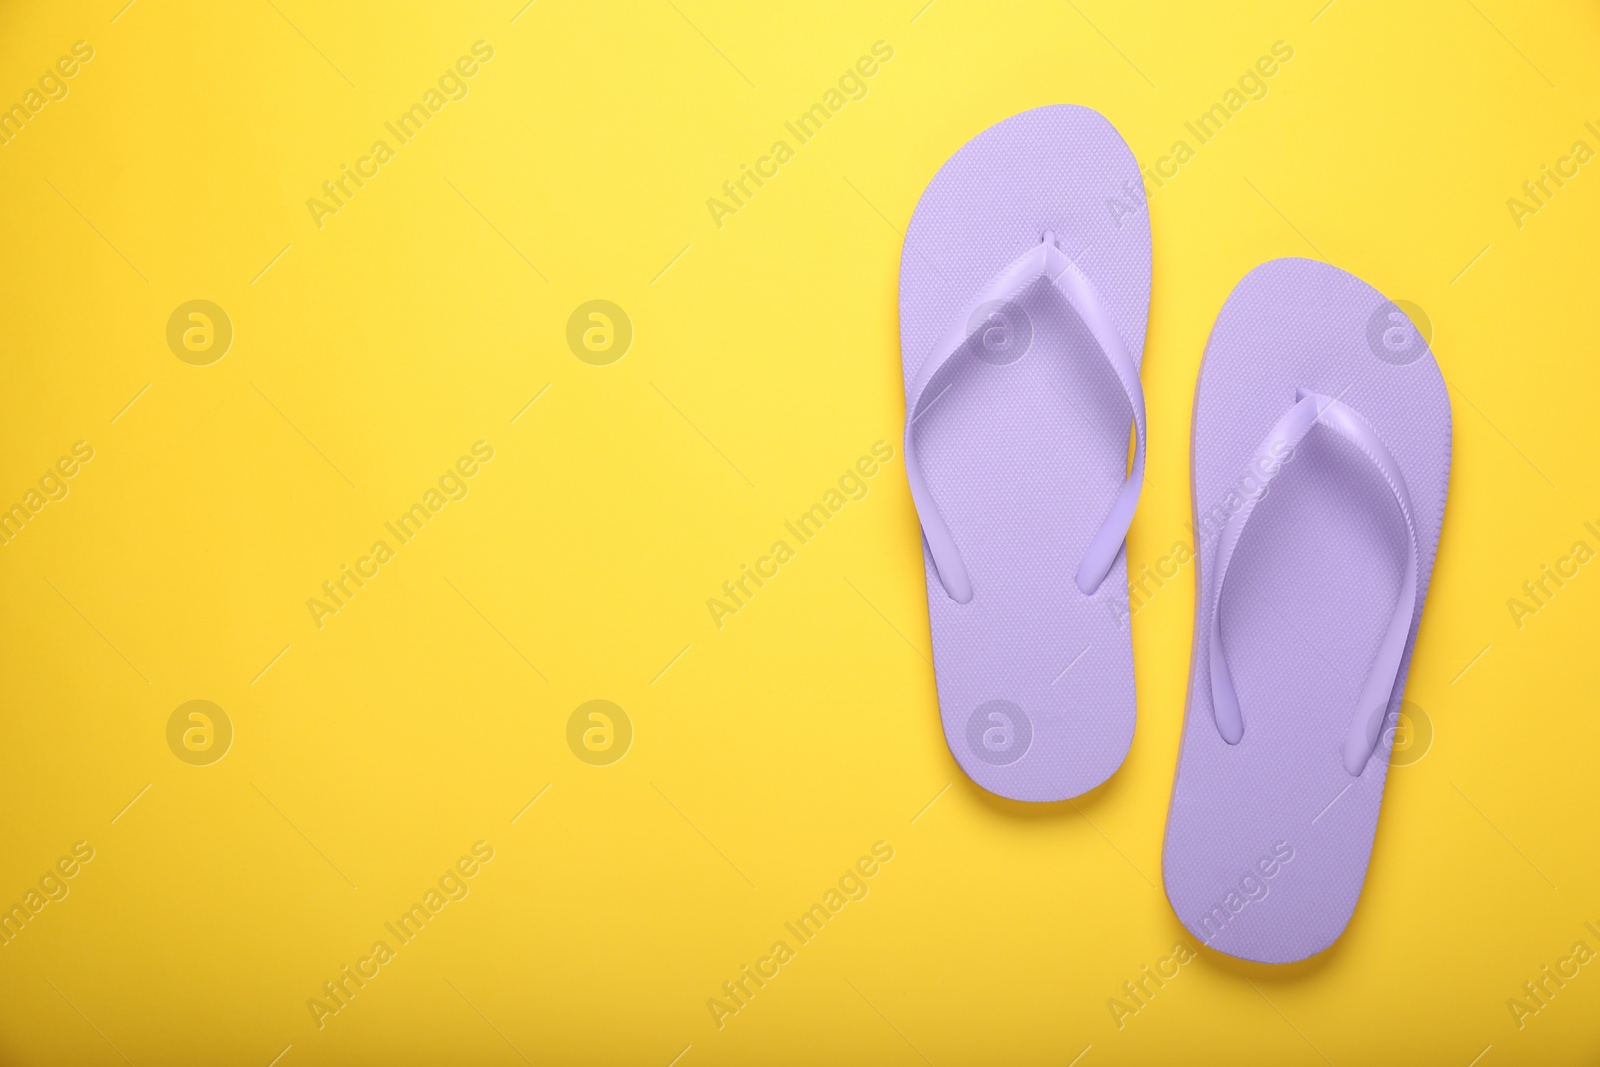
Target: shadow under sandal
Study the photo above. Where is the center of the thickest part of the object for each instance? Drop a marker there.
(1321, 459)
(1023, 300)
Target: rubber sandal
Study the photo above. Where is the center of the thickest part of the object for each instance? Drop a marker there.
(1024, 290)
(1321, 460)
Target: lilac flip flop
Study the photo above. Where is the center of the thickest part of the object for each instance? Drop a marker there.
(1024, 289)
(1321, 462)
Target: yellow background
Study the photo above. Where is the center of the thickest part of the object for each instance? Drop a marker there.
(769, 754)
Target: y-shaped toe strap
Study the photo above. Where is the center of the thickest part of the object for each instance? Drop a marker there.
(1367, 722)
(1045, 260)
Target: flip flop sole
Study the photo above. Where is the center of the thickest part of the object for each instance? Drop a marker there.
(1025, 446)
(1268, 840)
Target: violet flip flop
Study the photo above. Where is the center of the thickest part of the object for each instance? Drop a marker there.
(1321, 460)
(1024, 290)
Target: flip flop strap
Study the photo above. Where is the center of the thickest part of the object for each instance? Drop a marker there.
(1309, 410)
(1046, 260)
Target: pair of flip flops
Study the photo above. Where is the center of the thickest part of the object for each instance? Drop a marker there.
(1321, 457)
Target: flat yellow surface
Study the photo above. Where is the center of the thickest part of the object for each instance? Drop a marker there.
(407, 343)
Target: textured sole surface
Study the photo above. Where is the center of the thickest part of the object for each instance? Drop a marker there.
(1268, 841)
(1024, 447)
